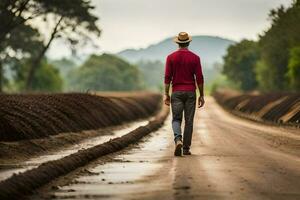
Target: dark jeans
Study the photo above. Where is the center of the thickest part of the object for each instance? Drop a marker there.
(183, 102)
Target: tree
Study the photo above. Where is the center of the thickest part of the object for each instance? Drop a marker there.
(47, 77)
(265, 76)
(17, 12)
(275, 45)
(105, 73)
(25, 43)
(73, 21)
(239, 64)
(293, 73)
(152, 73)
(65, 67)
(274, 58)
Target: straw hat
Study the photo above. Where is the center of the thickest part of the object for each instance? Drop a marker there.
(182, 37)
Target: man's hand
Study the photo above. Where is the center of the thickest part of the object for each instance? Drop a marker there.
(167, 99)
(201, 102)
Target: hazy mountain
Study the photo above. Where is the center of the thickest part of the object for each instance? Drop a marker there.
(151, 60)
(211, 49)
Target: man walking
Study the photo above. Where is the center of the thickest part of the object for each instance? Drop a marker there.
(183, 71)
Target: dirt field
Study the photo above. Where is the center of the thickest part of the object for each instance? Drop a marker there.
(40, 115)
(280, 108)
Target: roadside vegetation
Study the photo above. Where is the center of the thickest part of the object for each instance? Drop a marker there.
(273, 62)
(105, 73)
(23, 46)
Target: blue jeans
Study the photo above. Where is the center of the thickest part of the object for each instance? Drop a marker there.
(183, 102)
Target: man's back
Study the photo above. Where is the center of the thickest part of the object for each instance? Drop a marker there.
(182, 66)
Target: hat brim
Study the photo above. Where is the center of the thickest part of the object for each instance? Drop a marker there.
(176, 40)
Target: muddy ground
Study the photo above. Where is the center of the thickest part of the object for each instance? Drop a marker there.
(232, 158)
(17, 185)
(15, 153)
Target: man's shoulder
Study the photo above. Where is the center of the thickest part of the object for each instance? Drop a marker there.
(177, 52)
(193, 54)
(172, 54)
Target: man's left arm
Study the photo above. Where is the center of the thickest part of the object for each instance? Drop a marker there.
(200, 83)
(167, 97)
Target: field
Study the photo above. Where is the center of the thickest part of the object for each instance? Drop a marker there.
(31, 116)
(281, 108)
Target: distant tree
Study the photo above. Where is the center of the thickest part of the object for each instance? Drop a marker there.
(293, 73)
(105, 73)
(47, 77)
(152, 73)
(239, 64)
(65, 67)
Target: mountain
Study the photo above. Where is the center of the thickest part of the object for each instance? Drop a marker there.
(151, 60)
(211, 49)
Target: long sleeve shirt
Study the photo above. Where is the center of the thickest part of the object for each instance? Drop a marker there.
(183, 69)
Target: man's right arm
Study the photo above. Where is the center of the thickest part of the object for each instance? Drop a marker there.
(167, 80)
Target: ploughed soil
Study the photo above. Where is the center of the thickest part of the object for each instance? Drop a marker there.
(31, 116)
(280, 108)
(31, 125)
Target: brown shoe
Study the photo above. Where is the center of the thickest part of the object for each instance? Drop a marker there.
(178, 148)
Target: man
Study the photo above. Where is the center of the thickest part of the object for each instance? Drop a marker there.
(183, 70)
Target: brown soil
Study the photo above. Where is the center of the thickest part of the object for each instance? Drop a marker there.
(281, 108)
(31, 116)
(232, 158)
(24, 183)
(16, 152)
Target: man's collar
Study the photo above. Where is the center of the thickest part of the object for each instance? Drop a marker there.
(183, 49)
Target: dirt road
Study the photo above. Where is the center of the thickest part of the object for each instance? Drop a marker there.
(232, 159)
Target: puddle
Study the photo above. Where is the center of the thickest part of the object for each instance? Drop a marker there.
(8, 170)
(122, 175)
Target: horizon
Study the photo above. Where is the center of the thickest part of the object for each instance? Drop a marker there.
(140, 48)
(167, 38)
(123, 27)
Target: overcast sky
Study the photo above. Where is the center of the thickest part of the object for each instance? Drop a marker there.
(139, 23)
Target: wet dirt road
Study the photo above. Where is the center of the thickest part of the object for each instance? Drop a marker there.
(8, 169)
(232, 159)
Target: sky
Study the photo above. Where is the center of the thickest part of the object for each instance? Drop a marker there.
(140, 23)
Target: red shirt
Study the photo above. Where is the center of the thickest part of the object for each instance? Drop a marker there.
(182, 68)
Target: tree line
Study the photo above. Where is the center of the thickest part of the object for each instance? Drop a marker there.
(273, 62)
(105, 72)
(23, 46)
